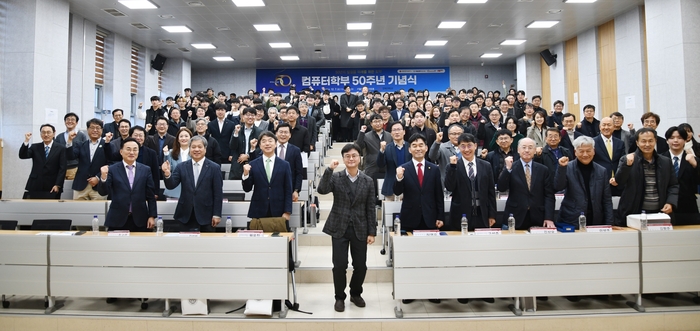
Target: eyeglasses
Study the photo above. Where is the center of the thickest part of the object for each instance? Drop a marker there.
(351, 156)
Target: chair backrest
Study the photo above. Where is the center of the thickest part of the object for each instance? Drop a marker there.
(51, 224)
(234, 196)
(8, 225)
(171, 226)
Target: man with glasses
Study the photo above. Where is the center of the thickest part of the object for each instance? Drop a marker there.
(48, 165)
(300, 135)
(240, 144)
(146, 155)
(392, 155)
(442, 152)
(213, 149)
(351, 223)
(71, 121)
(370, 144)
(91, 157)
(161, 139)
(504, 140)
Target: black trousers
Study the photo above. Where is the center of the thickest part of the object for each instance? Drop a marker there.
(193, 226)
(131, 226)
(476, 220)
(358, 251)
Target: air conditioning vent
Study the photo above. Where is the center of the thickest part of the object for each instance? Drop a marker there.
(140, 26)
(114, 12)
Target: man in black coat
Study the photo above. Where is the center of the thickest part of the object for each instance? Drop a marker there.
(348, 102)
(685, 165)
(48, 165)
(552, 152)
(153, 113)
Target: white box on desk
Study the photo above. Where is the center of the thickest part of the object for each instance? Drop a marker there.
(633, 220)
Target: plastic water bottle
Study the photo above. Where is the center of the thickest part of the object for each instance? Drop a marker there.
(511, 223)
(229, 226)
(397, 226)
(465, 225)
(643, 221)
(95, 225)
(582, 222)
(159, 226)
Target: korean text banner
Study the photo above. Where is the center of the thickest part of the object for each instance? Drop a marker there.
(379, 79)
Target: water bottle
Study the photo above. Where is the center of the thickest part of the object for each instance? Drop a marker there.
(582, 222)
(229, 226)
(95, 225)
(397, 226)
(159, 226)
(643, 221)
(465, 225)
(511, 223)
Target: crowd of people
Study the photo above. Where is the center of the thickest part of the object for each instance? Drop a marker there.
(467, 144)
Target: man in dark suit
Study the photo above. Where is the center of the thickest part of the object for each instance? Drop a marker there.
(649, 179)
(91, 157)
(348, 103)
(146, 155)
(131, 186)
(685, 165)
(222, 129)
(370, 144)
(568, 133)
(71, 121)
(213, 149)
(161, 139)
(652, 120)
(608, 151)
(48, 165)
(530, 193)
(392, 155)
(200, 203)
(497, 157)
(352, 222)
(300, 135)
(441, 152)
(586, 184)
(240, 144)
(289, 153)
(153, 113)
(272, 178)
(589, 126)
(552, 152)
(113, 127)
(307, 121)
(418, 126)
(400, 112)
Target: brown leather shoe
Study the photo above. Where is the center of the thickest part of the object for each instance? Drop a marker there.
(339, 306)
(358, 301)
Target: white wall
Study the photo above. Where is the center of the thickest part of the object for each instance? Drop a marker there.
(631, 65)
(588, 71)
(469, 76)
(557, 76)
(529, 74)
(81, 67)
(176, 76)
(237, 81)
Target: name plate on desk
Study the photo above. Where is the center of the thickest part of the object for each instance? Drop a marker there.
(487, 231)
(189, 234)
(599, 228)
(118, 233)
(250, 233)
(62, 233)
(426, 233)
(543, 230)
(660, 227)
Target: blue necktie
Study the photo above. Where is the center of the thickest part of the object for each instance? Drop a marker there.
(676, 165)
(46, 152)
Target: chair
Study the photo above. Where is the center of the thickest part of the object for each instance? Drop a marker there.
(234, 196)
(52, 224)
(171, 226)
(8, 225)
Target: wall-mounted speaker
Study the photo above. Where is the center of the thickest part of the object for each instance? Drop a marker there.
(548, 57)
(158, 62)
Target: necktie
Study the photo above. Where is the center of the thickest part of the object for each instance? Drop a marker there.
(281, 154)
(267, 169)
(46, 152)
(527, 175)
(130, 174)
(195, 170)
(420, 174)
(608, 145)
(676, 165)
(471, 171)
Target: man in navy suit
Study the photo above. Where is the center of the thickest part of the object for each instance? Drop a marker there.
(240, 143)
(91, 157)
(146, 155)
(130, 184)
(392, 155)
(221, 129)
(530, 196)
(292, 155)
(200, 203)
(568, 134)
(272, 179)
(48, 165)
(608, 151)
(398, 113)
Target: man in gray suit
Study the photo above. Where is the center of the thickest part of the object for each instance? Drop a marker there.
(441, 153)
(351, 222)
(370, 143)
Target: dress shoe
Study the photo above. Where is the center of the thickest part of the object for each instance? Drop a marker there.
(434, 300)
(339, 306)
(463, 301)
(111, 300)
(488, 300)
(406, 301)
(358, 301)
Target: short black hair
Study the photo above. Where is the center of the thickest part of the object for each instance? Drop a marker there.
(617, 114)
(536, 97)
(568, 115)
(284, 125)
(553, 129)
(77, 119)
(117, 110)
(95, 121)
(162, 118)
(467, 138)
(267, 133)
(644, 130)
(417, 136)
(391, 126)
(221, 93)
(681, 132)
(503, 132)
(187, 89)
(375, 117)
(347, 148)
(250, 110)
(155, 98)
(221, 105)
(169, 98)
(124, 141)
(136, 128)
(419, 111)
(53, 129)
(520, 92)
(125, 120)
(295, 109)
(559, 102)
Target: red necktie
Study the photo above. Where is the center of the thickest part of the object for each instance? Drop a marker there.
(420, 174)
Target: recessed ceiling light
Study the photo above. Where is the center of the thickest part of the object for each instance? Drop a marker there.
(360, 2)
(358, 43)
(580, 1)
(223, 28)
(357, 57)
(195, 4)
(165, 17)
(138, 4)
(424, 56)
(451, 24)
(249, 3)
(435, 43)
(289, 58)
(176, 28)
(542, 24)
(491, 55)
(223, 58)
(511, 42)
(472, 1)
(554, 11)
(203, 46)
(359, 26)
(267, 27)
(280, 45)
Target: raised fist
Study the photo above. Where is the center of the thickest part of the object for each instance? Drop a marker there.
(509, 162)
(104, 170)
(189, 114)
(238, 128)
(382, 146)
(563, 161)
(166, 168)
(72, 135)
(438, 136)
(538, 150)
(447, 122)
(691, 159)
(484, 153)
(630, 159)
(108, 137)
(483, 121)
(453, 159)
(246, 169)
(27, 137)
(166, 150)
(578, 125)
(630, 126)
(363, 128)
(253, 143)
(334, 164)
(399, 172)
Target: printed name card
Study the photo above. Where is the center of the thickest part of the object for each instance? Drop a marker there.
(250, 233)
(118, 233)
(599, 228)
(426, 233)
(189, 234)
(536, 230)
(487, 231)
(660, 227)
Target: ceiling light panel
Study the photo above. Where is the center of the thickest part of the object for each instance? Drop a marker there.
(580, 1)
(491, 55)
(542, 24)
(435, 43)
(359, 26)
(203, 46)
(424, 56)
(138, 4)
(472, 1)
(357, 57)
(176, 28)
(223, 58)
(267, 27)
(451, 24)
(513, 42)
(358, 43)
(289, 58)
(360, 2)
(249, 3)
(280, 45)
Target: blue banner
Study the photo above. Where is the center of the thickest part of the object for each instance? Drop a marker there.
(379, 79)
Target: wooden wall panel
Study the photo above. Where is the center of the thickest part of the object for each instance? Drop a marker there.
(608, 69)
(546, 86)
(571, 67)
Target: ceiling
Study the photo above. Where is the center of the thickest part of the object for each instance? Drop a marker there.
(311, 25)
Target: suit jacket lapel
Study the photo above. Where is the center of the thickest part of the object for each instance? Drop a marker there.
(205, 168)
(121, 171)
